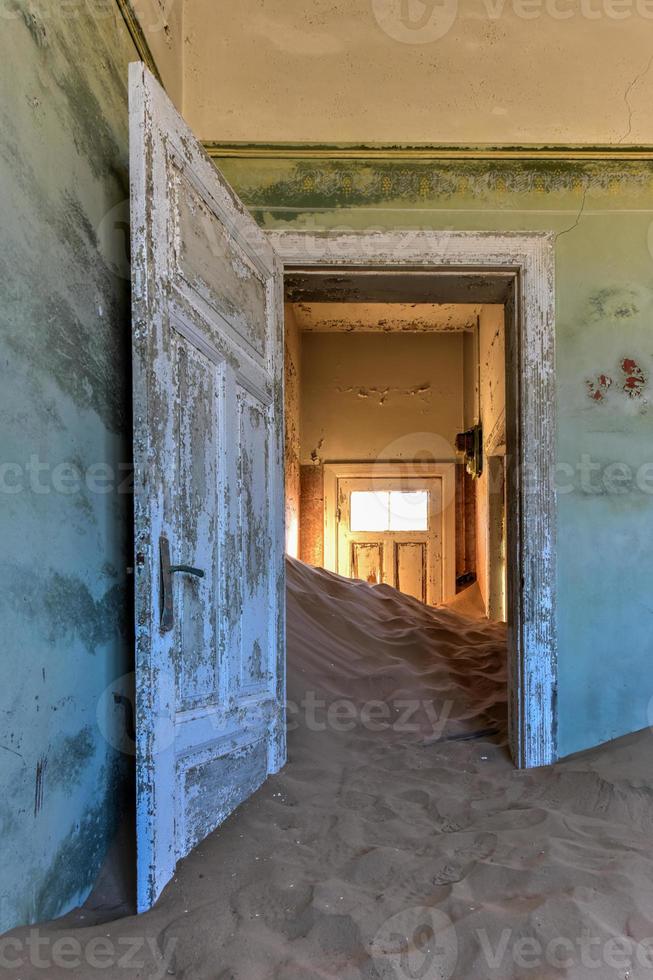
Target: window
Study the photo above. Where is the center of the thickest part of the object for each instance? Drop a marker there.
(389, 510)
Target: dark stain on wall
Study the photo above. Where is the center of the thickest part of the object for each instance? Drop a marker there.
(65, 374)
(68, 759)
(39, 785)
(613, 303)
(74, 866)
(334, 183)
(62, 606)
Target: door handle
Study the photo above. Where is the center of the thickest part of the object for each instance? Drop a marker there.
(188, 569)
(167, 571)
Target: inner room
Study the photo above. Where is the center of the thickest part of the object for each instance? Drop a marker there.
(396, 434)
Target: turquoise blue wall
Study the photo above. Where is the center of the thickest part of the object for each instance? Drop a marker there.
(65, 425)
(64, 417)
(602, 214)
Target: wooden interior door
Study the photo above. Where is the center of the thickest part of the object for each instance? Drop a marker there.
(208, 448)
(410, 560)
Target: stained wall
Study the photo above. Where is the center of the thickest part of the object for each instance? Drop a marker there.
(65, 451)
(601, 214)
(381, 396)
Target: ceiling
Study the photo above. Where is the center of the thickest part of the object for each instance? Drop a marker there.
(386, 317)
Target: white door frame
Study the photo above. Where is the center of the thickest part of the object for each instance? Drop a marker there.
(528, 260)
(333, 472)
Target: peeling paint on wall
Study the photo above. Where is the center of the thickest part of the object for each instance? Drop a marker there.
(597, 388)
(479, 184)
(65, 522)
(633, 384)
(292, 387)
(635, 380)
(374, 396)
(600, 214)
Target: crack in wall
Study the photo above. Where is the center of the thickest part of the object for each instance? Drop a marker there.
(629, 89)
(578, 216)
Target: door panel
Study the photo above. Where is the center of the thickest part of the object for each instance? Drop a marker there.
(367, 561)
(197, 438)
(410, 574)
(254, 669)
(211, 263)
(208, 450)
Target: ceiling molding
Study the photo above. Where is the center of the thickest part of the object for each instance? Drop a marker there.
(435, 152)
(138, 37)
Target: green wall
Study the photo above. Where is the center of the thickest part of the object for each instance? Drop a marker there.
(65, 604)
(601, 213)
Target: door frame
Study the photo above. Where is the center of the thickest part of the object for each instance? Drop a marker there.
(334, 472)
(526, 262)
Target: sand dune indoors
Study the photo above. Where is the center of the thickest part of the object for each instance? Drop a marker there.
(399, 841)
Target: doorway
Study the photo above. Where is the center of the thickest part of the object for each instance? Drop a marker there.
(514, 272)
(393, 524)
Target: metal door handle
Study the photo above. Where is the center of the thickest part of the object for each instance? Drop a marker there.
(167, 571)
(188, 569)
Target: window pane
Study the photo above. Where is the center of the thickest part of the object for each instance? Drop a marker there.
(397, 510)
(409, 511)
(369, 510)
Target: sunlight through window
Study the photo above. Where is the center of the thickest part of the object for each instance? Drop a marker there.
(393, 510)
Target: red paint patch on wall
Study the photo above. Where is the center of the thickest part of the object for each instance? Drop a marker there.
(636, 380)
(597, 388)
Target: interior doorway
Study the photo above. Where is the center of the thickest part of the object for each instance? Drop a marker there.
(508, 453)
(396, 437)
(394, 524)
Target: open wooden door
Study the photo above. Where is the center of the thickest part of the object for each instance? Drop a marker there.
(208, 445)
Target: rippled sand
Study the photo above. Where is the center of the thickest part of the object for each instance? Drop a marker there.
(399, 841)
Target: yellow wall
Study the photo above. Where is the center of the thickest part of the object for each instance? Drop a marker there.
(292, 388)
(162, 25)
(489, 509)
(385, 397)
(476, 71)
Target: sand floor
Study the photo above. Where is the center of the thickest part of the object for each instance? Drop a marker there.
(399, 842)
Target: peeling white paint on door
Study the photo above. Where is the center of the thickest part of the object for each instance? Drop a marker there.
(208, 444)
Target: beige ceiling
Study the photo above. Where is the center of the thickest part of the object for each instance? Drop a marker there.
(386, 317)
